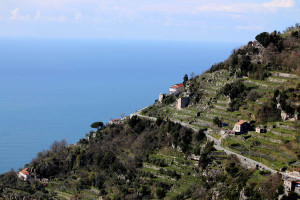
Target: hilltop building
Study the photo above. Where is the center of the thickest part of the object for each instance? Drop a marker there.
(176, 89)
(115, 121)
(240, 127)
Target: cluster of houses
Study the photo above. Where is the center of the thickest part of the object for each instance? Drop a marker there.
(241, 127)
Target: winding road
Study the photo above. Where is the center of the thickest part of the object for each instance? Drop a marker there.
(250, 163)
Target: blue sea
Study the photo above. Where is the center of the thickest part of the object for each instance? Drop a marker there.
(53, 89)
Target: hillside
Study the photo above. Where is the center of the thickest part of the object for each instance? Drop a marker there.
(166, 152)
(257, 83)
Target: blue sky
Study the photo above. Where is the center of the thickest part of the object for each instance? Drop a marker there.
(196, 20)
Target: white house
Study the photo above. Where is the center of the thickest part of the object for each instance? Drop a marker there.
(176, 89)
(240, 127)
(260, 130)
(24, 174)
(115, 121)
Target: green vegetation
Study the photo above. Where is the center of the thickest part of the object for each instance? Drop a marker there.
(258, 83)
(97, 125)
(142, 159)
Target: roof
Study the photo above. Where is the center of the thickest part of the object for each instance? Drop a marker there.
(114, 120)
(241, 122)
(177, 85)
(24, 171)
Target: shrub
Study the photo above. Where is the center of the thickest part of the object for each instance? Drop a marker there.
(217, 67)
(200, 135)
(234, 90)
(252, 96)
(268, 113)
(169, 99)
(217, 121)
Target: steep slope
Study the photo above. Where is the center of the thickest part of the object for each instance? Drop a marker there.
(258, 83)
(156, 158)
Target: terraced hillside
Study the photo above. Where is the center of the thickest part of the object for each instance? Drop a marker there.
(163, 152)
(233, 91)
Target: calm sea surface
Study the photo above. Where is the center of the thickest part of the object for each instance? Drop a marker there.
(54, 89)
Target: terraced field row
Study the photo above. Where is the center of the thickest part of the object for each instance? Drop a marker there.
(179, 172)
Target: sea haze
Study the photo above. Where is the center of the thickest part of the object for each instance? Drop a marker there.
(54, 89)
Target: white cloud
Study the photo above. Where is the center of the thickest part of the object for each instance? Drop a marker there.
(279, 4)
(38, 15)
(16, 16)
(245, 7)
(218, 27)
(249, 27)
(62, 18)
(78, 16)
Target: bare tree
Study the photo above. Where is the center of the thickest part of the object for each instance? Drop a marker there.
(58, 145)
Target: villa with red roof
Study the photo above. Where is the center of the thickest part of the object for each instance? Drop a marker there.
(176, 89)
(24, 174)
(240, 127)
(115, 121)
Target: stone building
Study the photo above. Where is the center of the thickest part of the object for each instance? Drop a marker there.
(182, 102)
(291, 185)
(260, 130)
(240, 127)
(161, 97)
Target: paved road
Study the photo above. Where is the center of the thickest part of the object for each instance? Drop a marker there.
(247, 161)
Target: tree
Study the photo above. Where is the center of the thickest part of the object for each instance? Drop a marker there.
(58, 146)
(291, 196)
(200, 135)
(217, 121)
(97, 125)
(185, 79)
(263, 38)
(205, 158)
(295, 34)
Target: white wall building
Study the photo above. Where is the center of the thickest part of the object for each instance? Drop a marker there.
(24, 174)
(176, 89)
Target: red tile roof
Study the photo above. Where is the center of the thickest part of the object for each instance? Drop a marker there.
(177, 85)
(24, 171)
(114, 120)
(240, 122)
